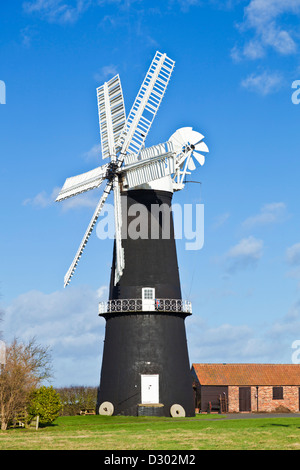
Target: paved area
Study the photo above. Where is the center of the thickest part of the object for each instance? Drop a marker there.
(259, 415)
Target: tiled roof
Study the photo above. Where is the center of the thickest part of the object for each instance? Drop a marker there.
(247, 374)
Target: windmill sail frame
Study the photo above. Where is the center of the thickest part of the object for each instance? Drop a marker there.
(112, 116)
(130, 164)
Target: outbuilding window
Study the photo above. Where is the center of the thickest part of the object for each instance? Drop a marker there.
(277, 393)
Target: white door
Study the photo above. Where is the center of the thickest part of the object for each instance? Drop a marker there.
(150, 388)
(148, 299)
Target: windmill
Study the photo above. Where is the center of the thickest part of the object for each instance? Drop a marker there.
(145, 367)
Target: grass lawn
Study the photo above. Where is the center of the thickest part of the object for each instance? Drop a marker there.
(152, 433)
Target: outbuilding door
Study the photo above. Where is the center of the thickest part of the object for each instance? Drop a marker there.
(245, 398)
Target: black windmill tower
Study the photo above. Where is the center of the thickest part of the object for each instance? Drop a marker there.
(145, 366)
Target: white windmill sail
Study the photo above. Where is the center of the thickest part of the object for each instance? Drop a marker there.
(112, 118)
(88, 232)
(135, 131)
(150, 172)
(120, 258)
(189, 146)
(153, 163)
(149, 153)
(120, 137)
(81, 183)
(146, 104)
(111, 111)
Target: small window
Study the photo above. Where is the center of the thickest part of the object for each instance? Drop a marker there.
(277, 393)
(148, 293)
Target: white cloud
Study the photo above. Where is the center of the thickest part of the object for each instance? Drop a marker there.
(286, 329)
(67, 321)
(186, 4)
(232, 343)
(265, 342)
(253, 50)
(94, 154)
(57, 11)
(220, 220)
(87, 199)
(42, 199)
(222, 343)
(244, 254)
(264, 83)
(27, 35)
(265, 18)
(106, 72)
(69, 11)
(268, 215)
(293, 255)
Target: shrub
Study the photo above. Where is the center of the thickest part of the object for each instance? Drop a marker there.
(45, 403)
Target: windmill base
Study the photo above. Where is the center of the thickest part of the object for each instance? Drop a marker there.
(145, 367)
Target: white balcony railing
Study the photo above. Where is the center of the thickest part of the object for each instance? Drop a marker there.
(136, 305)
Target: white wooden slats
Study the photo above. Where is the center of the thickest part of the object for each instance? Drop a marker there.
(156, 150)
(120, 258)
(88, 232)
(150, 171)
(112, 118)
(131, 158)
(148, 153)
(124, 139)
(146, 104)
(81, 183)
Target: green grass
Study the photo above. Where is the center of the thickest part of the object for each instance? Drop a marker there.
(150, 433)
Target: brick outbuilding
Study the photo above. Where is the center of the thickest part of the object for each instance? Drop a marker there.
(247, 387)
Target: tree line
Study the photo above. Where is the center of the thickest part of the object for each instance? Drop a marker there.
(76, 399)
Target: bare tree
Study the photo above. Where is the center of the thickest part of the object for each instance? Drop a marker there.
(27, 365)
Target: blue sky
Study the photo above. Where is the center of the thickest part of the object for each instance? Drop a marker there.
(235, 64)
